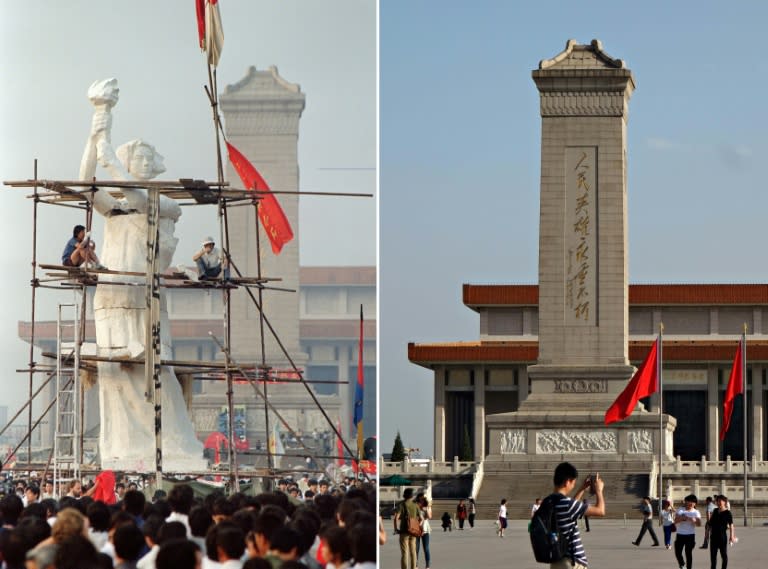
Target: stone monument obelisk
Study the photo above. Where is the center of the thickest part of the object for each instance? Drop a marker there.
(583, 271)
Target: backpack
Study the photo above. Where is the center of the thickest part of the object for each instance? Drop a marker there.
(547, 540)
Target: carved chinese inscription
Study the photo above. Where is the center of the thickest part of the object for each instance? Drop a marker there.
(581, 386)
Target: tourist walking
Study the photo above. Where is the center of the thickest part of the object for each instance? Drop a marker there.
(668, 522)
(647, 526)
(721, 533)
(405, 510)
(472, 513)
(710, 508)
(461, 513)
(536, 506)
(686, 520)
(502, 523)
(569, 510)
(426, 515)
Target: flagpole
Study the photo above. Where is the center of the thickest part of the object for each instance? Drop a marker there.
(744, 399)
(661, 411)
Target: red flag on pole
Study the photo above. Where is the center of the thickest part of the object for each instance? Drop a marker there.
(644, 383)
(272, 217)
(735, 387)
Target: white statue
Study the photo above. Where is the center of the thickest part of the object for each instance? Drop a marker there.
(127, 438)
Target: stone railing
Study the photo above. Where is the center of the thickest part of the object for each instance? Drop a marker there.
(705, 466)
(429, 466)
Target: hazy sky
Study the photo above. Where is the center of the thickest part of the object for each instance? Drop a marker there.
(460, 158)
(51, 51)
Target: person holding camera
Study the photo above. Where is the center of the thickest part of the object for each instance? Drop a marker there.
(426, 515)
(686, 520)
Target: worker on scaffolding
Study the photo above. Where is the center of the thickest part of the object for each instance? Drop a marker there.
(210, 261)
(81, 250)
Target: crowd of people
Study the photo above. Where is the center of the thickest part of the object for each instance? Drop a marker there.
(111, 525)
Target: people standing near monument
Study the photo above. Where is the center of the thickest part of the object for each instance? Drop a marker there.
(461, 513)
(686, 520)
(710, 508)
(210, 261)
(127, 433)
(568, 510)
(668, 522)
(472, 508)
(721, 532)
(406, 509)
(426, 514)
(502, 523)
(647, 511)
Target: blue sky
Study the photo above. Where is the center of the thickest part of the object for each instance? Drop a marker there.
(460, 155)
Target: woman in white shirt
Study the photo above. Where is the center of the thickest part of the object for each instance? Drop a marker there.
(426, 514)
(686, 520)
(667, 520)
(502, 518)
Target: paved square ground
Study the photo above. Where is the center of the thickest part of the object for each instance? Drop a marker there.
(607, 545)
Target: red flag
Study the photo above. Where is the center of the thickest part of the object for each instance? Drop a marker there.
(735, 387)
(644, 383)
(200, 9)
(273, 218)
(339, 446)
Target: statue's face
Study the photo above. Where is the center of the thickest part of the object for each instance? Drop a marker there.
(143, 163)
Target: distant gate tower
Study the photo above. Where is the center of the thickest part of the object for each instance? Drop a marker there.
(583, 272)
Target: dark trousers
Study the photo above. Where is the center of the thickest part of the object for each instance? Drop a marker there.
(714, 548)
(688, 542)
(461, 523)
(647, 527)
(424, 539)
(471, 520)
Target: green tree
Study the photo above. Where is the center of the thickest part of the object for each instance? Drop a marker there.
(398, 451)
(466, 447)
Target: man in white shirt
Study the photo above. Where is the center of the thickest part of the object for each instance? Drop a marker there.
(210, 261)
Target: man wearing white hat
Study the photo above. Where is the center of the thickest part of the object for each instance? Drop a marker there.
(210, 261)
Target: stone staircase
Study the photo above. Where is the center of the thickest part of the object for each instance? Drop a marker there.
(522, 482)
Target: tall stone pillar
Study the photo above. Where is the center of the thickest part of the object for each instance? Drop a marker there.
(261, 115)
(583, 272)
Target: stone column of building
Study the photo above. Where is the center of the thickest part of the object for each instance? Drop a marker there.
(583, 272)
(478, 444)
(713, 414)
(440, 414)
(757, 412)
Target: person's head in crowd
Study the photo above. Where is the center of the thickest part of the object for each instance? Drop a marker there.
(223, 509)
(34, 510)
(245, 519)
(326, 506)
(119, 490)
(362, 541)
(162, 508)
(70, 502)
(270, 520)
(181, 498)
(21, 539)
(159, 494)
(323, 486)
(312, 483)
(251, 503)
(347, 507)
(360, 516)
(335, 545)
(11, 508)
(75, 489)
(211, 498)
(256, 563)
(132, 486)
(98, 516)
(76, 552)
(309, 495)
(238, 500)
(306, 522)
(32, 493)
(133, 503)
(276, 499)
(51, 507)
(282, 484)
(104, 561)
(178, 554)
(230, 541)
(69, 523)
(171, 530)
(200, 520)
(285, 544)
(48, 488)
(42, 557)
(128, 542)
(117, 520)
(151, 528)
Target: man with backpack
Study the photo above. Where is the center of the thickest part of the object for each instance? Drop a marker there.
(554, 534)
(407, 525)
